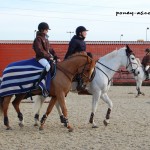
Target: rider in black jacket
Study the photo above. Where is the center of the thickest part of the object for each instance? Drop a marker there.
(77, 44)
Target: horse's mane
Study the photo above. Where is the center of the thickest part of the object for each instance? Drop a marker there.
(77, 54)
(110, 55)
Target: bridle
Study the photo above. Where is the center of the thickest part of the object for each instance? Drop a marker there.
(129, 62)
(120, 71)
(83, 75)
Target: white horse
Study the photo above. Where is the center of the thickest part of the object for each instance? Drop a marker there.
(140, 77)
(106, 67)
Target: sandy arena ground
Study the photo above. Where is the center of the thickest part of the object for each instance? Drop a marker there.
(129, 127)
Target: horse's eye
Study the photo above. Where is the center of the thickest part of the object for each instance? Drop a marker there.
(132, 58)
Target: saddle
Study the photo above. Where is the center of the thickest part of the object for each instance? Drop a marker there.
(79, 86)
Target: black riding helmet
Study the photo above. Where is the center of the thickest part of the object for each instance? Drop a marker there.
(147, 50)
(80, 29)
(43, 26)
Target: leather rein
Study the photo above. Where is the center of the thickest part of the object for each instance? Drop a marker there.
(120, 71)
(66, 72)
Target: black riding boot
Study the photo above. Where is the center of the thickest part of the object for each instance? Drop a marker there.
(80, 86)
(42, 76)
(147, 75)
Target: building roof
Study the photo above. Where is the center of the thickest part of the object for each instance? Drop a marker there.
(67, 42)
(28, 42)
(16, 41)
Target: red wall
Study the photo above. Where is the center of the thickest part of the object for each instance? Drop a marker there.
(101, 50)
(16, 52)
(119, 78)
(10, 52)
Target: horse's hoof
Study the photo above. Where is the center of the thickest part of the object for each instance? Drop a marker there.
(41, 128)
(90, 121)
(70, 129)
(36, 124)
(94, 126)
(8, 128)
(21, 125)
(105, 123)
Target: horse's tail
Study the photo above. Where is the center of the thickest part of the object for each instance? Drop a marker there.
(1, 105)
(38, 101)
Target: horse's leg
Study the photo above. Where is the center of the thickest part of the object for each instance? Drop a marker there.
(38, 102)
(138, 88)
(16, 104)
(62, 103)
(95, 100)
(59, 112)
(106, 99)
(5, 106)
(49, 109)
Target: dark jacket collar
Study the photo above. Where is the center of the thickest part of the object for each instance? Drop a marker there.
(78, 37)
(38, 33)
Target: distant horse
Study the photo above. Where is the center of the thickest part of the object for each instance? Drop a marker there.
(140, 77)
(106, 67)
(78, 63)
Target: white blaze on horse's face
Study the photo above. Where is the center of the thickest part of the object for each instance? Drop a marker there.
(132, 63)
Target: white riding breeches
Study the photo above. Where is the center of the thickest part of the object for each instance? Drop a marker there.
(147, 67)
(45, 64)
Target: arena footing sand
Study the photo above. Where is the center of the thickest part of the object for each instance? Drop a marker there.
(129, 127)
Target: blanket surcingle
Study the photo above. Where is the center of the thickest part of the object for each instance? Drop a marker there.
(19, 77)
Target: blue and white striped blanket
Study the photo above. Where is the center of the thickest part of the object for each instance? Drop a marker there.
(18, 77)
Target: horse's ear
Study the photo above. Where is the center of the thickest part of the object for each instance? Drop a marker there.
(127, 46)
(128, 50)
(90, 54)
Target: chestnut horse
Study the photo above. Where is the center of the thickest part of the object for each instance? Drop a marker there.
(78, 63)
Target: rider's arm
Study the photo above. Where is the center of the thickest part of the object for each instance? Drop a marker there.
(54, 54)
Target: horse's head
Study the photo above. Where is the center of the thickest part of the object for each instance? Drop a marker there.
(86, 69)
(132, 63)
